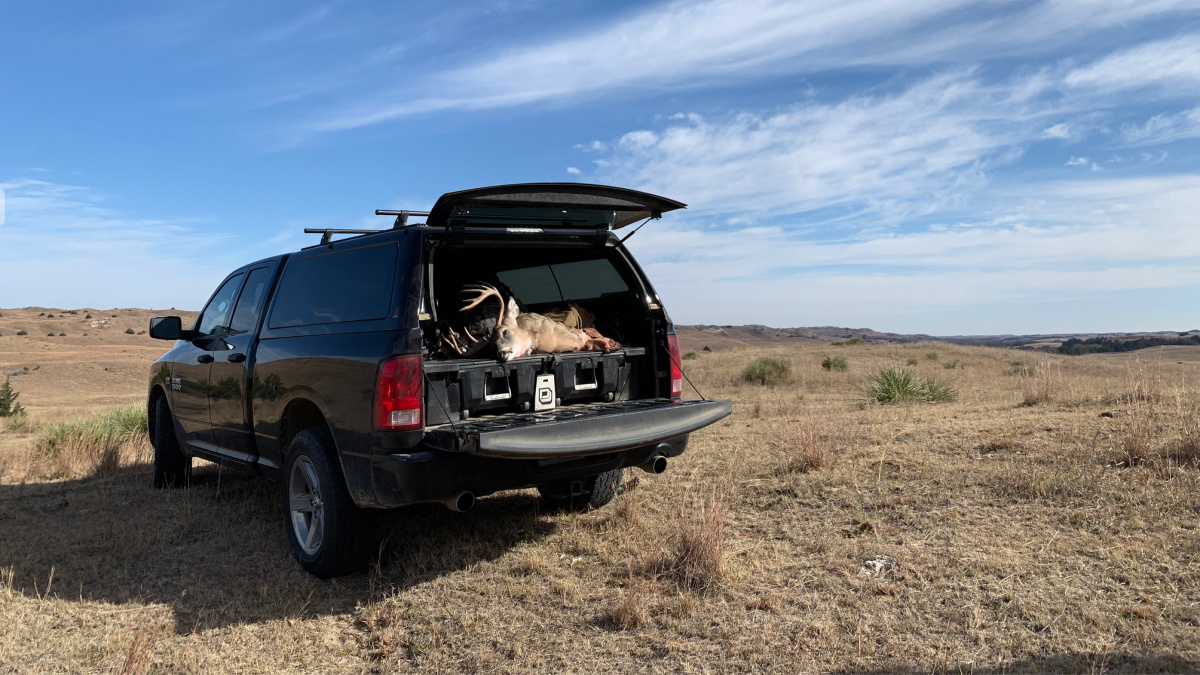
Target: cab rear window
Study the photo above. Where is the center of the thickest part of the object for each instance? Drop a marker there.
(353, 285)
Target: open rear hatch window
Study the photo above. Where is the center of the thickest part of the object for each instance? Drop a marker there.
(548, 206)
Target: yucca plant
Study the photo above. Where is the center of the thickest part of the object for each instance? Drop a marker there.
(895, 385)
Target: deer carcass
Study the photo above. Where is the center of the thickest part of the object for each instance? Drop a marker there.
(518, 334)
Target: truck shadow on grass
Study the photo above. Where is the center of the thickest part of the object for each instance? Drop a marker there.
(216, 552)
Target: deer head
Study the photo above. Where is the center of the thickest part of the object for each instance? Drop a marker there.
(511, 340)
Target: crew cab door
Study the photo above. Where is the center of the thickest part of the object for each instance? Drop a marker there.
(194, 361)
(229, 392)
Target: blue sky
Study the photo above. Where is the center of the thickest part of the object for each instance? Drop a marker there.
(944, 167)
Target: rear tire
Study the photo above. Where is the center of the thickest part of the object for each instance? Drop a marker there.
(329, 535)
(596, 492)
(172, 468)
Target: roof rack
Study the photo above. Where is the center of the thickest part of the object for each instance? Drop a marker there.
(401, 216)
(327, 235)
(401, 221)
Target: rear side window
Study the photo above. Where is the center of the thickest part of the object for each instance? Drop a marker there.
(249, 305)
(354, 285)
(581, 280)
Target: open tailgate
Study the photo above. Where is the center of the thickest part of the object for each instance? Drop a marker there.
(578, 430)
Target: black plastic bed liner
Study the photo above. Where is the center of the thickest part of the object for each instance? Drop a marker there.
(459, 365)
(579, 429)
(458, 390)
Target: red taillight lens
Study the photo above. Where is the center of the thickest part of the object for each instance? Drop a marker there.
(676, 367)
(399, 394)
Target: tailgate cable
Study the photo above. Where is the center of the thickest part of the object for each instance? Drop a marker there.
(429, 387)
(689, 380)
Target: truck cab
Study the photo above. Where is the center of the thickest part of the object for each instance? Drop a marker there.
(328, 370)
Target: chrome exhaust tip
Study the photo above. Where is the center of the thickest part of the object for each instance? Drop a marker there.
(461, 502)
(656, 465)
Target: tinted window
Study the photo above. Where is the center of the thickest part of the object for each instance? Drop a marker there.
(349, 285)
(249, 305)
(582, 280)
(213, 319)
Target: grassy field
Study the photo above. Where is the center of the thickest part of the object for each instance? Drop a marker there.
(1044, 518)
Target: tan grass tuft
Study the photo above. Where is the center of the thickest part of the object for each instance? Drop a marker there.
(632, 610)
(135, 658)
(699, 560)
(805, 446)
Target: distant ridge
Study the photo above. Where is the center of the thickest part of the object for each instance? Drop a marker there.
(756, 335)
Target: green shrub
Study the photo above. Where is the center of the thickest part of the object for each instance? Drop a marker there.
(129, 331)
(911, 362)
(849, 341)
(688, 356)
(21, 332)
(951, 365)
(94, 441)
(767, 370)
(16, 421)
(932, 356)
(895, 385)
(8, 400)
(834, 363)
(1019, 368)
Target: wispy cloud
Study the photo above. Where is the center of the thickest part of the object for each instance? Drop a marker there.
(61, 245)
(687, 43)
(1172, 65)
(901, 155)
(1063, 240)
(1164, 128)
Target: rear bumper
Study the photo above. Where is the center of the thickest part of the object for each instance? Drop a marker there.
(428, 475)
(578, 431)
(518, 451)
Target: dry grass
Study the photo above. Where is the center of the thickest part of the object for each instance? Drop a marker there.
(809, 532)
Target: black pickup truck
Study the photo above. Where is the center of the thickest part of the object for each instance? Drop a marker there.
(324, 369)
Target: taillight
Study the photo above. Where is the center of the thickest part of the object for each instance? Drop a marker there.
(399, 394)
(676, 367)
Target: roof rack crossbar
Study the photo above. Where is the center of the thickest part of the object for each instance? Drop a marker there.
(327, 235)
(401, 216)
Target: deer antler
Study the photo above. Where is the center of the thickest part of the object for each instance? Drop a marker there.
(482, 292)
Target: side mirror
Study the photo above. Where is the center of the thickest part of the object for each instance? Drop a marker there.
(168, 328)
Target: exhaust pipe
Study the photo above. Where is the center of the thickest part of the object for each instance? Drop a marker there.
(656, 465)
(461, 502)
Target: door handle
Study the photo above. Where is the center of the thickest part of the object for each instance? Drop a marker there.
(237, 358)
(204, 358)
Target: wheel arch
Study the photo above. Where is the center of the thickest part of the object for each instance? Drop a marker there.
(301, 414)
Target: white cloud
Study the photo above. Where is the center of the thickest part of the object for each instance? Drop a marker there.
(1062, 241)
(688, 43)
(902, 154)
(1173, 65)
(1062, 130)
(63, 247)
(573, 171)
(1165, 128)
(1084, 162)
(594, 146)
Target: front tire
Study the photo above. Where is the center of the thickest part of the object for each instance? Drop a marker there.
(172, 468)
(329, 535)
(597, 491)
